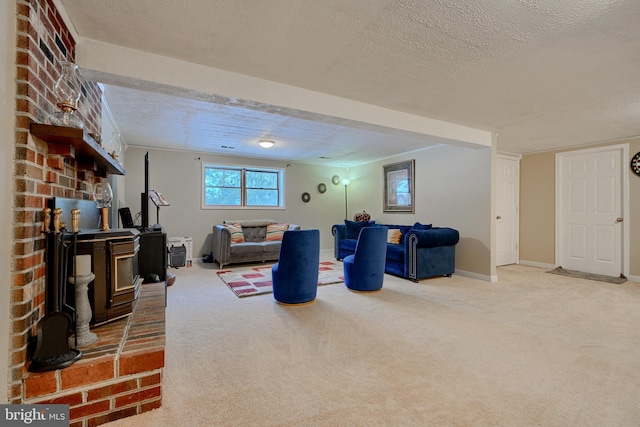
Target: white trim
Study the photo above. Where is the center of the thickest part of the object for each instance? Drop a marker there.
(509, 156)
(538, 264)
(484, 277)
(634, 279)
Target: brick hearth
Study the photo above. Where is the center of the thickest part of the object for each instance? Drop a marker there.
(119, 375)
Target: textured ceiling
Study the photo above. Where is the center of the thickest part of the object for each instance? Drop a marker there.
(542, 74)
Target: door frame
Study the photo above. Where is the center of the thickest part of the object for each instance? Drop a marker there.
(517, 158)
(623, 152)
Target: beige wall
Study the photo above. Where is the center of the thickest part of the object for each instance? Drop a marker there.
(537, 203)
(453, 189)
(537, 208)
(7, 135)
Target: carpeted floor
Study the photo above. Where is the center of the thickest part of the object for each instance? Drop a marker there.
(533, 349)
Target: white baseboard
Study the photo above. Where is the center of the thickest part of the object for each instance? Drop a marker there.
(485, 277)
(538, 264)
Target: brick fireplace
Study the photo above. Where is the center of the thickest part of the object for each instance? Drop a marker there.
(120, 374)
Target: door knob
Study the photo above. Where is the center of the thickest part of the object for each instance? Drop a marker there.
(498, 217)
(619, 219)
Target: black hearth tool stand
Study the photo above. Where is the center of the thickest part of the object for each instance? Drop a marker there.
(52, 340)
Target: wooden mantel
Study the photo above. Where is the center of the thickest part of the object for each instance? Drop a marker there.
(87, 152)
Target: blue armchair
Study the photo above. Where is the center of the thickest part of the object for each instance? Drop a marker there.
(295, 276)
(364, 270)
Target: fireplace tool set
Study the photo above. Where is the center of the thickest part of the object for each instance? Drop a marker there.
(52, 350)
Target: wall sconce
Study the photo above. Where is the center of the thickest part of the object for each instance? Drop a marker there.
(266, 144)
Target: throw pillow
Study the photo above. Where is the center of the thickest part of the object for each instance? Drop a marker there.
(275, 232)
(353, 228)
(236, 233)
(393, 236)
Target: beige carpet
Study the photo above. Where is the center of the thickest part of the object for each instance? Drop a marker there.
(534, 349)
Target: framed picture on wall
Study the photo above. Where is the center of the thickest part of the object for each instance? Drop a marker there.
(399, 188)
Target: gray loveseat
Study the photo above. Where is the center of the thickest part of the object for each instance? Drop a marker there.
(254, 248)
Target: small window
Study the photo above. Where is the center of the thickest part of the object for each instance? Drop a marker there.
(225, 186)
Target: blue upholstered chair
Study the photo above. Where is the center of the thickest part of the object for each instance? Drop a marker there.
(364, 270)
(295, 275)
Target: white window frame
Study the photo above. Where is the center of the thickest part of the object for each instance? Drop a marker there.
(242, 168)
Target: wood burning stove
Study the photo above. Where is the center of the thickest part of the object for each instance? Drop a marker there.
(114, 260)
(114, 255)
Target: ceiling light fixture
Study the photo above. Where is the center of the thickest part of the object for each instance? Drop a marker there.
(266, 144)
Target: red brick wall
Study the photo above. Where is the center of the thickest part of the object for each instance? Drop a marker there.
(43, 41)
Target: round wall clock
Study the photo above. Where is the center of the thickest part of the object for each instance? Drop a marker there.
(306, 197)
(635, 164)
(322, 188)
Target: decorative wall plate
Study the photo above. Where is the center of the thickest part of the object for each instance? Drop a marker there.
(322, 188)
(635, 164)
(306, 197)
(335, 180)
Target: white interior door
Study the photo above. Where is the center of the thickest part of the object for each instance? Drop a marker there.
(507, 205)
(590, 211)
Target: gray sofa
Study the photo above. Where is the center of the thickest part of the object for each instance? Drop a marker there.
(253, 249)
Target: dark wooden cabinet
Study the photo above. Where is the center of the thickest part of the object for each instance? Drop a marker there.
(152, 258)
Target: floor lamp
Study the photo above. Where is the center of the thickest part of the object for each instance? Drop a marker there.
(346, 199)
